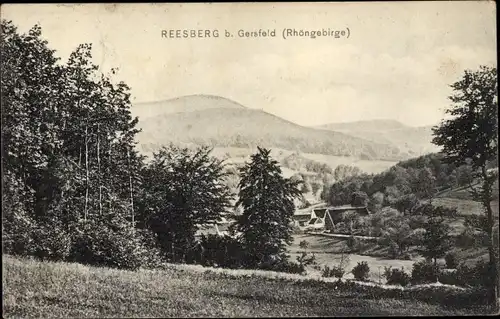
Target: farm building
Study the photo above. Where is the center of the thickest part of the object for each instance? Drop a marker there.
(328, 217)
(301, 219)
(334, 214)
(303, 216)
(219, 229)
(317, 220)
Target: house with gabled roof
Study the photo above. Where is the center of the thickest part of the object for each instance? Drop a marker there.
(327, 217)
(317, 220)
(304, 215)
(335, 214)
(219, 228)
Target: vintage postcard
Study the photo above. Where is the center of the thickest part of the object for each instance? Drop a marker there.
(249, 159)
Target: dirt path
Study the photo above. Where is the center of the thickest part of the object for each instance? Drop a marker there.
(342, 236)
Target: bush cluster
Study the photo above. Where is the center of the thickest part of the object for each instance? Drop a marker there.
(424, 272)
(334, 271)
(361, 271)
(124, 248)
(467, 276)
(397, 276)
(451, 260)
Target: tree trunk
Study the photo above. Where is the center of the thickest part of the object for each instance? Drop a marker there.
(110, 190)
(99, 172)
(131, 189)
(486, 199)
(86, 174)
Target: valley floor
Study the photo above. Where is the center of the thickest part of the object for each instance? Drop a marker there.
(328, 252)
(44, 289)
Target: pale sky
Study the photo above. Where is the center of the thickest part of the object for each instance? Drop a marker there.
(397, 63)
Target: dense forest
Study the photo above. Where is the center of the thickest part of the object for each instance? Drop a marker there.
(75, 187)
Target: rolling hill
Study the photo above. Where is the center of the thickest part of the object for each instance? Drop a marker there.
(413, 140)
(219, 122)
(188, 103)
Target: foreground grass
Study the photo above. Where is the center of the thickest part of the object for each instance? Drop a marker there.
(44, 289)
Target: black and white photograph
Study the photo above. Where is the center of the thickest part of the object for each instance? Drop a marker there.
(223, 160)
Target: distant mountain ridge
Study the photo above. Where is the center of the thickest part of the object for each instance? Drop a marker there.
(188, 103)
(369, 125)
(220, 122)
(413, 140)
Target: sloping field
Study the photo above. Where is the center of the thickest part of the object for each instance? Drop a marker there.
(63, 290)
(464, 206)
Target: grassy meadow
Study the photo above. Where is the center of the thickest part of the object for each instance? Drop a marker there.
(328, 252)
(45, 289)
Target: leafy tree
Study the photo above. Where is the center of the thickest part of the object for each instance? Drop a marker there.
(305, 259)
(183, 189)
(315, 187)
(396, 232)
(67, 146)
(472, 134)
(376, 201)
(268, 202)
(304, 244)
(343, 172)
(392, 195)
(30, 79)
(464, 175)
(297, 178)
(359, 199)
(436, 240)
(406, 204)
(306, 188)
(351, 218)
(425, 184)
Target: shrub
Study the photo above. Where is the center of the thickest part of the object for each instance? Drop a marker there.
(353, 243)
(465, 239)
(451, 260)
(25, 237)
(424, 272)
(342, 228)
(476, 276)
(393, 248)
(51, 242)
(306, 259)
(450, 278)
(288, 267)
(152, 254)
(225, 252)
(335, 271)
(397, 277)
(361, 271)
(117, 247)
(17, 229)
(304, 244)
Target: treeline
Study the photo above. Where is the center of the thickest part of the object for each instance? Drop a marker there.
(407, 181)
(75, 188)
(297, 162)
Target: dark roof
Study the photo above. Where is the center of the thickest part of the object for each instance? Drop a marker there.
(302, 217)
(320, 213)
(347, 207)
(312, 221)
